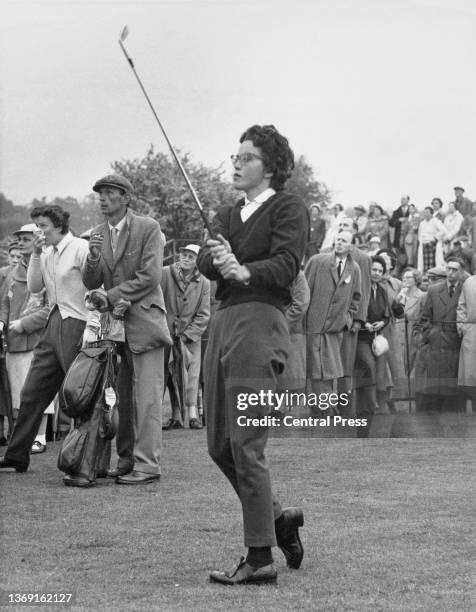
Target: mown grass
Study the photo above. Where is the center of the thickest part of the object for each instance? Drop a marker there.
(389, 525)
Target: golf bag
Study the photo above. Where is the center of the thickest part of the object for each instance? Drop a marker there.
(84, 447)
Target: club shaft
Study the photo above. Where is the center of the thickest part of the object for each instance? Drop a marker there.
(171, 147)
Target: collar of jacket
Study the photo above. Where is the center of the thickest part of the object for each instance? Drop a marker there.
(19, 271)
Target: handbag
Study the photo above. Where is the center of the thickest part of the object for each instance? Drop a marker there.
(379, 345)
(82, 380)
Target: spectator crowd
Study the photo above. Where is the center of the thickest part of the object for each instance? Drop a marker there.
(383, 309)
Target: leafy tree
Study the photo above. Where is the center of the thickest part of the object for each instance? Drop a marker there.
(162, 192)
(12, 217)
(304, 184)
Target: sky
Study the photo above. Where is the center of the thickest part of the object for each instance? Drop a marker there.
(379, 95)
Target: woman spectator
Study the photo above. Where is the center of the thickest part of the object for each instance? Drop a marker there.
(453, 223)
(378, 224)
(388, 370)
(411, 299)
(333, 227)
(410, 242)
(367, 375)
(431, 234)
(437, 206)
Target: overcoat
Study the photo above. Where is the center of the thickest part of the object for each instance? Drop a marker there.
(332, 308)
(440, 340)
(188, 307)
(294, 375)
(17, 303)
(466, 324)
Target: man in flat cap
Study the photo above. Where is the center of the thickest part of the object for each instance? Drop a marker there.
(462, 204)
(187, 299)
(125, 256)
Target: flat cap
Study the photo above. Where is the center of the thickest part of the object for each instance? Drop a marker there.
(361, 208)
(458, 188)
(12, 245)
(191, 247)
(460, 238)
(29, 228)
(436, 272)
(114, 180)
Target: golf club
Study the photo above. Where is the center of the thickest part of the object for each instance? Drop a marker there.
(122, 37)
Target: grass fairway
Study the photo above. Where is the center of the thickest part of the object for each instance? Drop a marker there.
(389, 525)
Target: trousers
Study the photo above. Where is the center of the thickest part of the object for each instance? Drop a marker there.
(55, 352)
(139, 435)
(246, 351)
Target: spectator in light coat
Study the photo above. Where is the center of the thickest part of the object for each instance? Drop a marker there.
(187, 300)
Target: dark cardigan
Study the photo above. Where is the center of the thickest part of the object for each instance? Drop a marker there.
(270, 243)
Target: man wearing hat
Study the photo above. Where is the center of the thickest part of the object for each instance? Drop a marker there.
(187, 300)
(125, 256)
(14, 256)
(462, 204)
(436, 274)
(374, 245)
(398, 221)
(55, 265)
(460, 249)
(23, 316)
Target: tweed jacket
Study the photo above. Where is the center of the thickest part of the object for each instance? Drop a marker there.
(133, 272)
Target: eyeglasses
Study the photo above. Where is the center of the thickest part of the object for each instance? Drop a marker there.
(244, 158)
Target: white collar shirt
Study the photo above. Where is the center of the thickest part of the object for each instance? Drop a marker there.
(251, 206)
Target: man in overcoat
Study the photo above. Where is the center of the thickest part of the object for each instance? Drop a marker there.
(334, 281)
(441, 343)
(349, 341)
(187, 300)
(466, 324)
(125, 255)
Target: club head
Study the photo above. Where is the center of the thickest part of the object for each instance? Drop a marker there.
(124, 34)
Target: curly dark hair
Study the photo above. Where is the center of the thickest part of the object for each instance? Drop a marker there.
(381, 261)
(58, 216)
(278, 156)
(391, 254)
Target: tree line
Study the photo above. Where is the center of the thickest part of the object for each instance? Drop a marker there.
(161, 193)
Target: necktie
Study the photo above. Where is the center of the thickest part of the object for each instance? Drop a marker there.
(339, 268)
(452, 289)
(114, 234)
